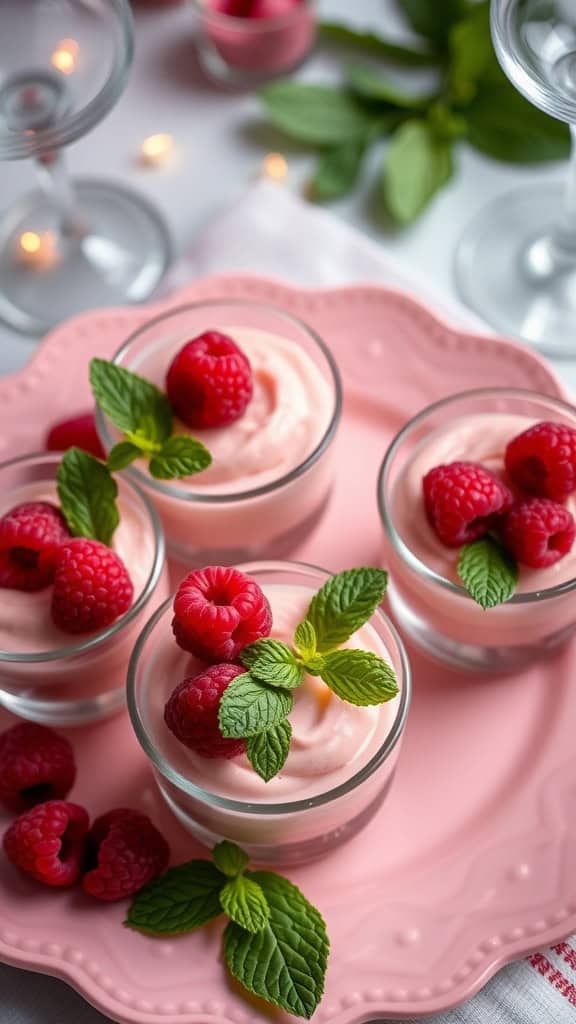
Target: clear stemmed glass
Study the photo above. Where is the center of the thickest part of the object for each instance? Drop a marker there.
(68, 246)
(516, 264)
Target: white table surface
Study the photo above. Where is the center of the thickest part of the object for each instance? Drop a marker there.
(221, 139)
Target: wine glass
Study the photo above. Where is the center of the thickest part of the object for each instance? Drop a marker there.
(70, 245)
(516, 264)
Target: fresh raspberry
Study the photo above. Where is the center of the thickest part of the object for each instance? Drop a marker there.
(92, 587)
(192, 712)
(48, 842)
(538, 532)
(29, 533)
(209, 382)
(127, 852)
(76, 432)
(463, 501)
(217, 612)
(36, 764)
(542, 460)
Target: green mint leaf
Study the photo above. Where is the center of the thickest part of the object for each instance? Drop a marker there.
(369, 84)
(121, 455)
(183, 899)
(273, 662)
(305, 639)
(314, 666)
(248, 707)
(372, 43)
(504, 125)
(180, 456)
(87, 496)
(244, 902)
(344, 604)
(268, 751)
(417, 165)
(134, 405)
(359, 677)
(319, 114)
(472, 54)
(433, 20)
(285, 962)
(230, 859)
(337, 171)
(488, 572)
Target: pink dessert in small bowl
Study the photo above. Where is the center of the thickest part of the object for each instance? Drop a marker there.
(531, 525)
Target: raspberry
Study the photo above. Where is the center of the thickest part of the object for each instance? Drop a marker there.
(538, 532)
(127, 852)
(29, 533)
(92, 587)
(76, 432)
(36, 764)
(48, 842)
(542, 460)
(209, 382)
(217, 612)
(257, 8)
(463, 501)
(192, 712)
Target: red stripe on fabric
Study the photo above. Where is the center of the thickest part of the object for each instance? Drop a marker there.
(554, 978)
(567, 953)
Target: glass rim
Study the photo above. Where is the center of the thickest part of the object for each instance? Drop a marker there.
(531, 86)
(412, 560)
(253, 25)
(207, 497)
(266, 809)
(95, 641)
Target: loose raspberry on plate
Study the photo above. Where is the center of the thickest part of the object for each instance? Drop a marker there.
(92, 587)
(542, 460)
(209, 382)
(191, 713)
(76, 432)
(127, 851)
(36, 764)
(538, 532)
(48, 842)
(463, 501)
(218, 611)
(29, 533)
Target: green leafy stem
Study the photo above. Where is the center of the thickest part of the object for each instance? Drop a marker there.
(256, 705)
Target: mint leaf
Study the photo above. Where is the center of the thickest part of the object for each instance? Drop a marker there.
(134, 405)
(183, 899)
(370, 42)
(472, 54)
(230, 859)
(305, 639)
(371, 85)
(319, 114)
(87, 496)
(248, 707)
(180, 456)
(344, 604)
(433, 20)
(337, 170)
(502, 124)
(488, 572)
(244, 902)
(417, 165)
(273, 662)
(285, 962)
(268, 751)
(121, 455)
(359, 677)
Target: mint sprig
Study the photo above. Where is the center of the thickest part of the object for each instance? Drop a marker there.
(256, 705)
(87, 494)
(144, 415)
(488, 572)
(275, 944)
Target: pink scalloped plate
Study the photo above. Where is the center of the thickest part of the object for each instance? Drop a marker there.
(470, 863)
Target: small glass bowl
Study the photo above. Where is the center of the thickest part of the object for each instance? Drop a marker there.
(289, 831)
(247, 51)
(206, 525)
(81, 679)
(434, 610)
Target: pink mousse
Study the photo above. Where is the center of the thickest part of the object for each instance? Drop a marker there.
(260, 36)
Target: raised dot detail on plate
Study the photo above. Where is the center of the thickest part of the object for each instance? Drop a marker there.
(74, 956)
(520, 872)
(477, 957)
(560, 915)
(52, 949)
(492, 943)
(166, 1009)
(374, 995)
(143, 1006)
(408, 937)
(352, 999)
(513, 934)
(93, 970)
(537, 926)
(462, 972)
(190, 1006)
(423, 993)
(443, 986)
(212, 1006)
(9, 938)
(166, 949)
(398, 995)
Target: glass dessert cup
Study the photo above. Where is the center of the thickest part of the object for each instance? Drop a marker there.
(245, 51)
(425, 597)
(74, 680)
(266, 514)
(276, 830)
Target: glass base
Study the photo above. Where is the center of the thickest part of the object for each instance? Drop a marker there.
(117, 257)
(60, 712)
(506, 270)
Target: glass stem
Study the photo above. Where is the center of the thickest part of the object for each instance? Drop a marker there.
(564, 234)
(57, 187)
